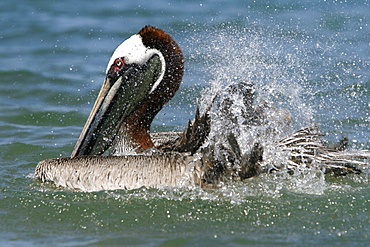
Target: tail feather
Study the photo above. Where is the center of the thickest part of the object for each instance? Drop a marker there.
(305, 147)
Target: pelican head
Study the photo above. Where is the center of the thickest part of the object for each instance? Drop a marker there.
(143, 74)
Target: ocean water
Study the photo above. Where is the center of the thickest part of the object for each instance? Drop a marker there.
(311, 57)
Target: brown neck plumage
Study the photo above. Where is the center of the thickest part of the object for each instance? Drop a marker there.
(136, 127)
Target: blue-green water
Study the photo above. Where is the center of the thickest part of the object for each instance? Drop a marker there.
(312, 57)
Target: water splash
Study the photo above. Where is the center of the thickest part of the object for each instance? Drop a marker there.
(273, 68)
(274, 64)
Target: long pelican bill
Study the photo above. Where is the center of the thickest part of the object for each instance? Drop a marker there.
(117, 99)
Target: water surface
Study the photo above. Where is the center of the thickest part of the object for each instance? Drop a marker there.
(311, 57)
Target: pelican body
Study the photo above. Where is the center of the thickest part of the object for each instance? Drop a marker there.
(143, 74)
(94, 173)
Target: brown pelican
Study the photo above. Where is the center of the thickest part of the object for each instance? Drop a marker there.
(143, 74)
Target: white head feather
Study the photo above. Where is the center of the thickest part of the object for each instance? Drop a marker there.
(133, 51)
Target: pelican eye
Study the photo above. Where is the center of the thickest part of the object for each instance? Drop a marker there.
(119, 63)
